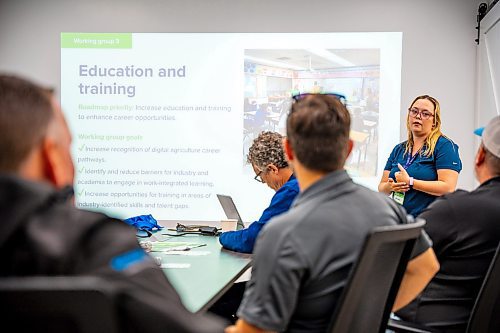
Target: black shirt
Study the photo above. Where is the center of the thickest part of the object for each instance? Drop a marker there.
(41, 233)
(465, 230)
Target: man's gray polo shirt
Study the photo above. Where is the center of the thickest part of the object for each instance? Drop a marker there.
(302, 259)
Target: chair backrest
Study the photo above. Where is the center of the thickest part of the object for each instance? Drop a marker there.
(485, 315)
(58, 304)
(368, 297)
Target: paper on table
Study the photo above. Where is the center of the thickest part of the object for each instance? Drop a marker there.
(228, 225)
(175, 265)
(187, 253)
(173, 246)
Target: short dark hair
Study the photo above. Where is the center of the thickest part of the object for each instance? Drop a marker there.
(492, 161)
(318, 131)
(25, 114)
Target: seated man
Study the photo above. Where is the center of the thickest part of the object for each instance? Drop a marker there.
(303, 257)
(42, 233)
(465, 230)
(270, 166)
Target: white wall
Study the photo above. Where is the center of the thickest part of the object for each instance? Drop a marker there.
(439, 51)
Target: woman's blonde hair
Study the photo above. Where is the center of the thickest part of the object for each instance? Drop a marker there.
(432, 138)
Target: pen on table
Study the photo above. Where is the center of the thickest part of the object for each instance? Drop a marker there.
(184, 248)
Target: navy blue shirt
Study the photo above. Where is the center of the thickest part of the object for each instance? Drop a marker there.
(445, 156)
(244, 240)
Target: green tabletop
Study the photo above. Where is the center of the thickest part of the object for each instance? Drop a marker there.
(205, 275)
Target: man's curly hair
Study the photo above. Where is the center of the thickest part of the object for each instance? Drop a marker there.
(267, 149)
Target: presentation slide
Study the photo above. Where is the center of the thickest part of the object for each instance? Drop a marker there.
(162, 122)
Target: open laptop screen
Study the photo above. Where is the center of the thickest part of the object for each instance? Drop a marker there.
(229, 208)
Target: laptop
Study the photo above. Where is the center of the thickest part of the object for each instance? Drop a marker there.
(229, 207)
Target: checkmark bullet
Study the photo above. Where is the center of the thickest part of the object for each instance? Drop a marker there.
(81, 169)
(80, 193)
(81, 147)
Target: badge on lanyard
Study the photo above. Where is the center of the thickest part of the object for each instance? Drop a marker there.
(399, 197)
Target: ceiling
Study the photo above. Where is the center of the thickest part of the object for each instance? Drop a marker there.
(307, 59)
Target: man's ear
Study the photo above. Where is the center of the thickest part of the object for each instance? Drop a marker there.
(49, 160)
(53, 166)
(350, 145)
(480, 156)
(272, 168)
(288, 150)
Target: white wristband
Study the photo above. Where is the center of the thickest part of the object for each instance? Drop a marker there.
(411, 182)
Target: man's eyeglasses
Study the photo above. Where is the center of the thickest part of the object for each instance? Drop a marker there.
(340, 97)
(423, 114)
(258, 177)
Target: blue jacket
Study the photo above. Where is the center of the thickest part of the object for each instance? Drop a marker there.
(244, 240)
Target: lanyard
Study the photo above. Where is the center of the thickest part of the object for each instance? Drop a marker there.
(410, 159)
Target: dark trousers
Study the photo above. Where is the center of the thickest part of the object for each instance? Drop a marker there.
(228, 304)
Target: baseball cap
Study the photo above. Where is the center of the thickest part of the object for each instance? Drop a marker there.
(491, 136)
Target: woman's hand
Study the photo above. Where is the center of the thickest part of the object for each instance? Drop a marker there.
(402, 176)
(397, 186)
(388, 185)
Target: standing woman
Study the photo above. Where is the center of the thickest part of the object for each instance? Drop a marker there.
(426, 165)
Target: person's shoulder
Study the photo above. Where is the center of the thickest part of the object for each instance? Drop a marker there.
(291, 182)
(447, 202)
(399, 148)
(282, 221)
(283, 224)
(401, 145)
(445, 142)
(456, 195)
(384, 204)
(83, 217)
(447, 154)
(76, 223)
(288, 191)
(277, 236)
(292, 185)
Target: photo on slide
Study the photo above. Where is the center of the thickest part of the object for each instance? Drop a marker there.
(273, 76)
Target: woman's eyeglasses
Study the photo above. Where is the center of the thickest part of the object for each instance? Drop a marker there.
(340, 97)
(423, 114)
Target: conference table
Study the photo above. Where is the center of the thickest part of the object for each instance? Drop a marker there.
(202, 274)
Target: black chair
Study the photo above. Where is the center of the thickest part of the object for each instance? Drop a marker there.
(58, 304)
(485, 315)
(367, 299)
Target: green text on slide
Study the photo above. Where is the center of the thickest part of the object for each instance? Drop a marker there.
(96, 40)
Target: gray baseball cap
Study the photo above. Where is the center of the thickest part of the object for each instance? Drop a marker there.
(491, 136)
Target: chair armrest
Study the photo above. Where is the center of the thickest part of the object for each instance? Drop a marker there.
(405, 326)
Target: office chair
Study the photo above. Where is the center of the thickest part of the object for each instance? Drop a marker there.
(485, 315)
(368, 297)
(57, 304)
